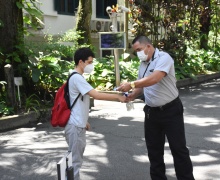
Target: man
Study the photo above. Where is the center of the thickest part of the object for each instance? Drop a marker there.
(78, 122)
(163, 109)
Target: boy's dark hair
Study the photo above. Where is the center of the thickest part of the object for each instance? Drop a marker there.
(82, 54)
(142, 40)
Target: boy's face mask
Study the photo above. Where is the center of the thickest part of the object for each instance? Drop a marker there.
(89, 68)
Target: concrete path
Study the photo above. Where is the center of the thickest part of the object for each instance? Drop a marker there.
(115, 145)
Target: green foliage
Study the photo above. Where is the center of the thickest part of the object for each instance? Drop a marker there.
(47, 67)
(129, 69)
(62, 46)
(175, 25)
(181, 28)
(32, 103)
(103, 76)
(4, 109)
(198, 62)
(202, 61)
(49, 72)
(50, 62)
(33, 15)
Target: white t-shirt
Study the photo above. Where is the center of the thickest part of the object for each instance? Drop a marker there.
(80, 111)
(164, 91)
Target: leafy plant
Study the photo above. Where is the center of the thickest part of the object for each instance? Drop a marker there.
(5, 110)
(31, 8)
(103, 77)
(32, 103)
(50, 62)
(175, 26)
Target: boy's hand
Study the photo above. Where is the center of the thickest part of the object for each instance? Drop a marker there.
(122, 98)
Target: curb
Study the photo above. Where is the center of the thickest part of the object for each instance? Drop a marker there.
(198, 79)
(12, 122)
(16, 121)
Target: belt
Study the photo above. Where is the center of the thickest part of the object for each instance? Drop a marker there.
(162, 108)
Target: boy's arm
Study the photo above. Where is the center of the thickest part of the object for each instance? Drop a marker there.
(106, 96)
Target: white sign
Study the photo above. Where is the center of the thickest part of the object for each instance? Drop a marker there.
(63, 165)
(18, 81)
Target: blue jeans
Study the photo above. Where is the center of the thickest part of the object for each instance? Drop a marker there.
(167, 122)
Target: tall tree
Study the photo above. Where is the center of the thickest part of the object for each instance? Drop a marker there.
(83, 20)
(10, 37)
(205, 23)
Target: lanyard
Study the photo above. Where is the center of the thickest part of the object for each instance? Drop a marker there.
(148, 65)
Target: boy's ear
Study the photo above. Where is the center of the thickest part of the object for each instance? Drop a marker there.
(81, 61)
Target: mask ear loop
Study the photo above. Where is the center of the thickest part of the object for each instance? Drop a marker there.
(145, 48)
(83, 63)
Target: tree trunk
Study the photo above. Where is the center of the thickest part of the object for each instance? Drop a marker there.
(11, 95)
(11, 33)
(83, 21)
(205, 22)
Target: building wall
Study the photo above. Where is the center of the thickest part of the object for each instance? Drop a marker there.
(56, 24)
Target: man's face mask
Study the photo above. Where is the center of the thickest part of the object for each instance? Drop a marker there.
(141, 55)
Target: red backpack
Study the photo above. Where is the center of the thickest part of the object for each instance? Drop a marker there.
(61, 110)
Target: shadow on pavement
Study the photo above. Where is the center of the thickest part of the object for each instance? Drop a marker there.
(116, 148)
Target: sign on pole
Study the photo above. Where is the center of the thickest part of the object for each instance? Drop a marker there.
(18, 82)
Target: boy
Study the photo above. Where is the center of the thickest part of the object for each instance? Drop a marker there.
(78, 121)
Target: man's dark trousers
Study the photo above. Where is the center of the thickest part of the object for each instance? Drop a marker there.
(167, 121)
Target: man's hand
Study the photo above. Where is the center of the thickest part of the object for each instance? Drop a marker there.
(87, 126)
(124, 87)
(130, 97)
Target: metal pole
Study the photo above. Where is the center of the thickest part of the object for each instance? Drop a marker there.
(126, 25)
(117, 72)
(113, 16)
(116, 53)
(19, 97)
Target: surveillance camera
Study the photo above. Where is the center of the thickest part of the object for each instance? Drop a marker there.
(108, 9)
(123, 8)
(111, 28)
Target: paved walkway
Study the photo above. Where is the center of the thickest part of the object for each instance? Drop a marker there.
(115, 145)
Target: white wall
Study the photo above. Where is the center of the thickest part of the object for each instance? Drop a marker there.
(55, 23)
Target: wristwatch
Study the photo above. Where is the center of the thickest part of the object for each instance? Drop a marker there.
(132, 85)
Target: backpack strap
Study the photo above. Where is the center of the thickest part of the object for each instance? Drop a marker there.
(67, 86)
(75, 101)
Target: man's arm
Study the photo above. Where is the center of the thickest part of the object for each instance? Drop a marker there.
(150, 80)
(135, 93)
